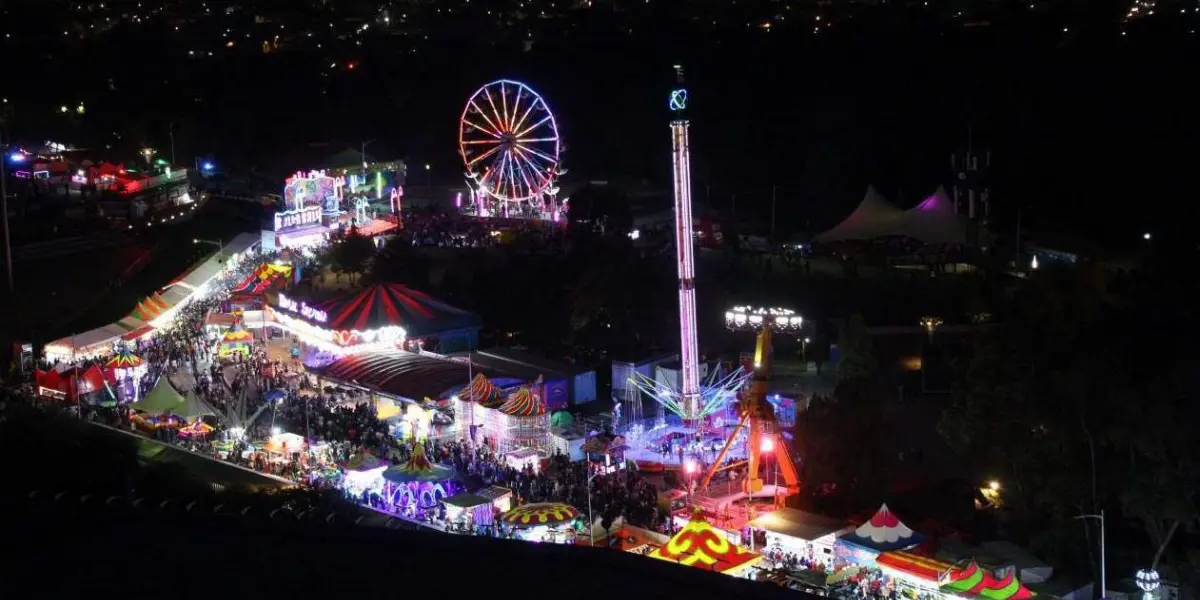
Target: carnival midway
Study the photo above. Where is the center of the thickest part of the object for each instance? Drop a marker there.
(376, 391)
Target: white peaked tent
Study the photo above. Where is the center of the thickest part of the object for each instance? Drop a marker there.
(874, 217)
(883, 532)
(933, 221)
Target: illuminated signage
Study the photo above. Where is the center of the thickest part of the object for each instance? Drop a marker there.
(302, 309)
(297, 218)
(679, 100)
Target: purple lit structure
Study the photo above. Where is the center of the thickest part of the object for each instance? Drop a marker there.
(689, 388)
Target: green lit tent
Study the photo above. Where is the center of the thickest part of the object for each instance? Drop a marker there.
(162, 399)
(562, 419)
(192, 407)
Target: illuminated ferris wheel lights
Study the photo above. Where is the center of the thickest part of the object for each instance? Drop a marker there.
(513, 158)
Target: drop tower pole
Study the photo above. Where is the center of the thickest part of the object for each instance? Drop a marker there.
(685, 261)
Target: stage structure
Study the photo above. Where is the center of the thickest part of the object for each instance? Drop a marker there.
(688, 403)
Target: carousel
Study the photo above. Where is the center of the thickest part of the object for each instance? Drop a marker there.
(551, 522)
(416, 484)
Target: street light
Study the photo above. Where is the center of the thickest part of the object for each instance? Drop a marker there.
(148, 153)
(591, 520)
(428, 181)
(1103, 564)
(219, 245)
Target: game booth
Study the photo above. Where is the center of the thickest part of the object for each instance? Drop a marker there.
(91, 385)
(236, 341)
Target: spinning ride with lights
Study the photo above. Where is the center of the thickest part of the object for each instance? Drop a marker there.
(509, 142)
(756, 415)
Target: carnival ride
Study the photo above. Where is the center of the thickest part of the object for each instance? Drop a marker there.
(757, 416)
(509, 143)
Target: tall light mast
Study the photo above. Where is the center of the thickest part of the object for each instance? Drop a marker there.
(689, 385)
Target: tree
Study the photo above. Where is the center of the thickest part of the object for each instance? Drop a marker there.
(1066, 405)
(856, 350)
(352, 254)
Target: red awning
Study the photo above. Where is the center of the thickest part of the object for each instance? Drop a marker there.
(138, 333)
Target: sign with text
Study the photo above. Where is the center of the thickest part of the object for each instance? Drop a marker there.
(293, 219)
(302, 309)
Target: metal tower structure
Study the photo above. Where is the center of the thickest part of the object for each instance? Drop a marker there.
(689, 384)
(971, 193)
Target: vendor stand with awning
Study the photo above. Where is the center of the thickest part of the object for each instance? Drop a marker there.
(469, 510)
(805, 534)
(919, 574)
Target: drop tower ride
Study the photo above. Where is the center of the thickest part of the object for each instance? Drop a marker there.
(689, 384)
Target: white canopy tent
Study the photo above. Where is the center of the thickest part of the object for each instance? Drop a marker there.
(874, 217)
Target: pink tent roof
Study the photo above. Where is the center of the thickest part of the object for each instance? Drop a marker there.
(933, 221)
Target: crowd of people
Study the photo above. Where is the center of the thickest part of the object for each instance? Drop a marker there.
(257, 396)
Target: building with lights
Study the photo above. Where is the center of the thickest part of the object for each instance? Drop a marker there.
(380, 317)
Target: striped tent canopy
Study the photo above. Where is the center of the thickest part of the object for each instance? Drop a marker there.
(392, 304)
(977, 582)
(417, 468)
(523, 403)
(913, 565)
(263, 277)
(884, 531)
(480, 390)
(146, 310)
(124, 359)
(158, 301)
(236, 334)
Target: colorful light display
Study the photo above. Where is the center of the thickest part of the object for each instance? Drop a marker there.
(689, 388)
(302, 309)
(740, 317)
(308, 196)
(701, 545)
(541, 513)
(508, 139)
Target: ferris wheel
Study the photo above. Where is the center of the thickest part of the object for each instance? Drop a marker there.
(509, 143)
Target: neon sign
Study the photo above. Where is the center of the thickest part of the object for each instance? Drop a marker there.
(297, 218)
(302, 309)
(679, 100)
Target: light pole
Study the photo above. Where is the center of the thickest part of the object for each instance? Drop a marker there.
(4, 156)
(591, 520)
(804, 350)
(148, 153)
(428, 177)
(1103, 564)
(219, 245)
(364, 156)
